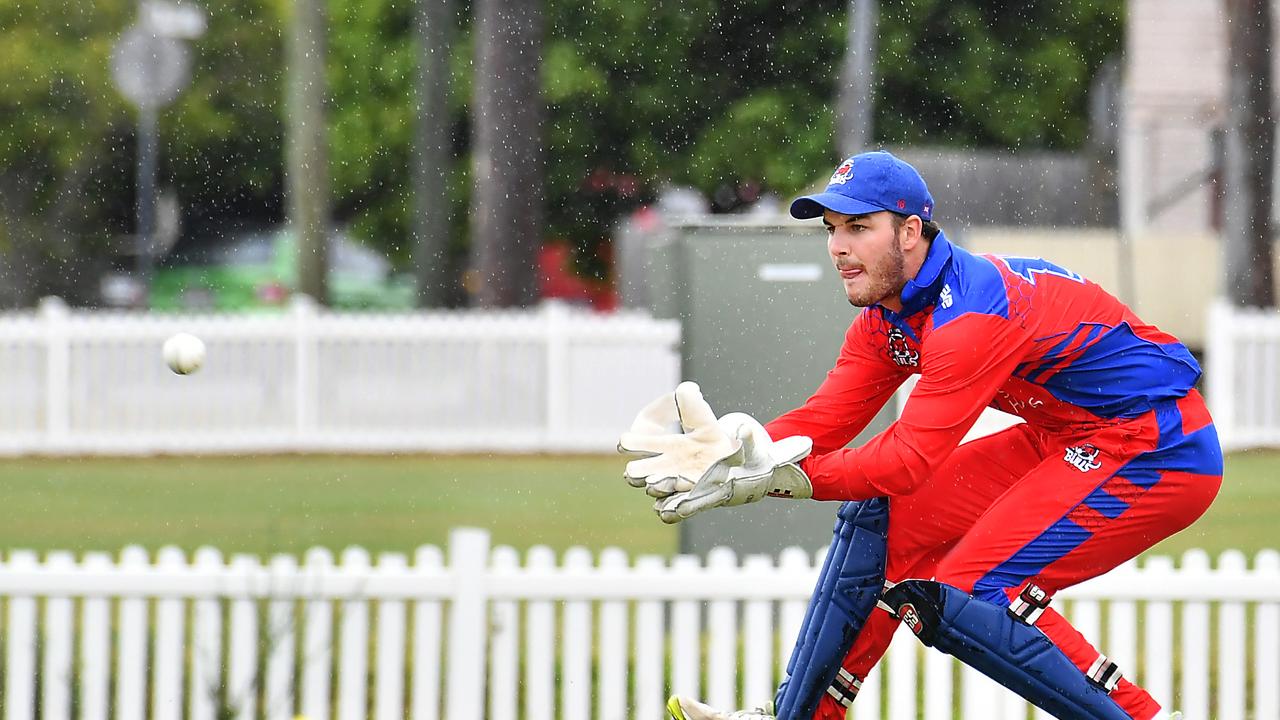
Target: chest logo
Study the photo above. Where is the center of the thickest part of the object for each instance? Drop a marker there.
(900, 351)
(945, 297)
(1083, 457)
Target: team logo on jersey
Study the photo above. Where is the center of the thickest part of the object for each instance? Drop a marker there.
(1083, 457)
(1019, 405)
(945, 298)
(899, 351)
(843, 174)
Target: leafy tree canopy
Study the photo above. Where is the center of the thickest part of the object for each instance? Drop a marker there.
(714, 94)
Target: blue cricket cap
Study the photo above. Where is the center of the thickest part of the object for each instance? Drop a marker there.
(867, 183)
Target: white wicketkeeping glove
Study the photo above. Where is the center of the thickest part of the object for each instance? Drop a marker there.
(758, 467)
(676, 438)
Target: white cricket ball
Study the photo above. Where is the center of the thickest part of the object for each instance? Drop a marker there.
(184, 353)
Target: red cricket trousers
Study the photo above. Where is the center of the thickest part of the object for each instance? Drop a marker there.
(1053, 508)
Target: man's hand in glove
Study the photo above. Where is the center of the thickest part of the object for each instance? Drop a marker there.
(757, 467)
(676, 439)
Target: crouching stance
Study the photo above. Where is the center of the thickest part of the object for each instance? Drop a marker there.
(971, 560)
(965, 543)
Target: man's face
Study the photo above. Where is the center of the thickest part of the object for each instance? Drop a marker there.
(867, 253)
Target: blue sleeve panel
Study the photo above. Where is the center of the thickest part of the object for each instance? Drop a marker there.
(847, 590)
(985, 637)
(1115, 373)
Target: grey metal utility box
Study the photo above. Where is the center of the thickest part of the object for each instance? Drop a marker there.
(763, 316)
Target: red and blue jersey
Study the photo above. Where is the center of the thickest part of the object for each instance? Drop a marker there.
(1022, 335)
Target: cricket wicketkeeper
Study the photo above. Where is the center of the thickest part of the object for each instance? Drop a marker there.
(967, 544)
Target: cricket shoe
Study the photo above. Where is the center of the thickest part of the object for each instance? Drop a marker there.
(683, 708)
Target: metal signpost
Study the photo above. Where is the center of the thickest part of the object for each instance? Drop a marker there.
(151, 65)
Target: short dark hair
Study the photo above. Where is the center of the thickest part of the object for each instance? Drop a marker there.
(928, 228)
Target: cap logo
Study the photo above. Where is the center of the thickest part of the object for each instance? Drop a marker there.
(843, 174)
(902, 204)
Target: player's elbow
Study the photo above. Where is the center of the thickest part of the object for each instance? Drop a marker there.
(902, 483)
(913, 471)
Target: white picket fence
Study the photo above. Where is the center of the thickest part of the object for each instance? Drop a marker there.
(489, 635)
(551, 379)
(1243, 380)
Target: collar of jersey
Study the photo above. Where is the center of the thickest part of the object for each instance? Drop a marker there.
(922, 290)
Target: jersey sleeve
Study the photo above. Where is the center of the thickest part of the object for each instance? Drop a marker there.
(862, 380)
(965, 363)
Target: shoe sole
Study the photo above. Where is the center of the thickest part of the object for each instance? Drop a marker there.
(673, 707)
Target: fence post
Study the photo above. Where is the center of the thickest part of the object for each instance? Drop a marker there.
(722, 624)
(56, 669)
(1266, 641)
(1220, 352)
(278, 700)
(20, 655)
(132, 659)
(95, 646)
(1232, 640)
(392, 626)
(317, 639)
(613, 652)
(1196, 649)
(540, 644)
(1157, 628)
(426, 641)
(242, 642)
(353, 658)
(170, 643)
(304, 313)
(575, 643)
(557, 373)
(205, 680)
(57, 416)
(504, 646)
(468, 563)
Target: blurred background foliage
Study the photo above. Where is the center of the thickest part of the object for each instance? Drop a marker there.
(717, 95)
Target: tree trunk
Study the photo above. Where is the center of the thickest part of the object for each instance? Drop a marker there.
(18, 266)
(308, 176)
(1249, 153)
(856, 97)
(506, 201)
(433, 154)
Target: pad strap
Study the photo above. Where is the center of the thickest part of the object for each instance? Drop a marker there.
(845, 687)
(989, 639)
(1030, 604)
(1104, 673)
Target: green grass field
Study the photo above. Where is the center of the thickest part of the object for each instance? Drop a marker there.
(287, 504)
(273, 504)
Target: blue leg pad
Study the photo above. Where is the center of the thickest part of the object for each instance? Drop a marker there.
(987, 638)
(851, 580)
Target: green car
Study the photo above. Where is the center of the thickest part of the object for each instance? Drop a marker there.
(258, 270)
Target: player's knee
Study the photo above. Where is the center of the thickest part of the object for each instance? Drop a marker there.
(950, 573)
(994, 595)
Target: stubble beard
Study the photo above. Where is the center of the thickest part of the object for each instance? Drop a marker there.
(887, 278)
